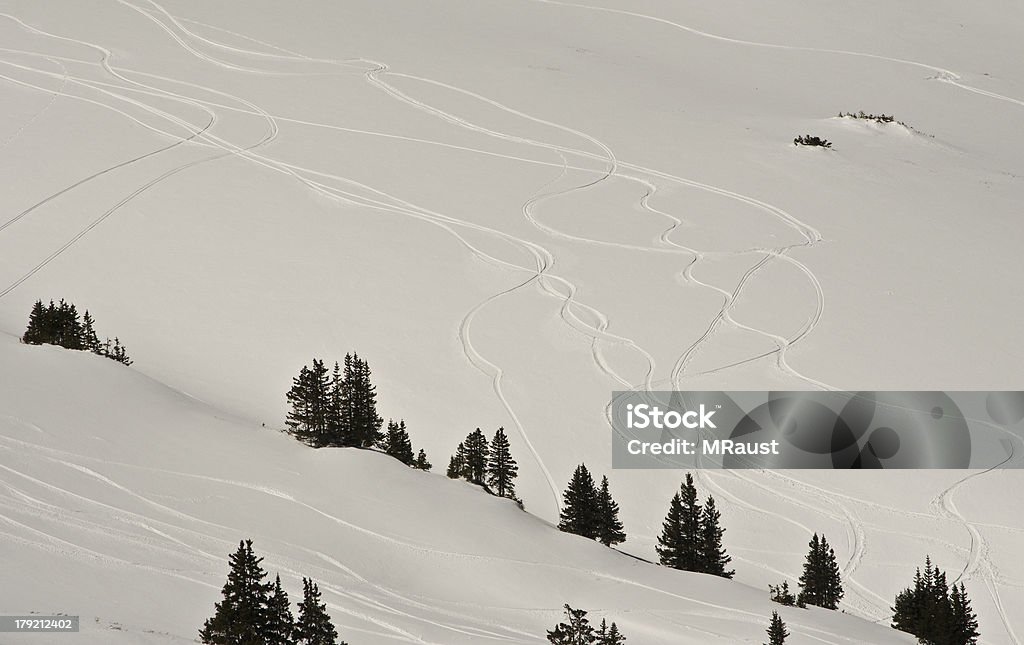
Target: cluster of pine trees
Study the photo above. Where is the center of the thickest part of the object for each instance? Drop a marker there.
(589, 510)
(256, 612)
(488, 465)
(936, 612)
(396, 442)
(338, 408)
(691, 536)
(821, 584)
(577, 630)
(60, 324)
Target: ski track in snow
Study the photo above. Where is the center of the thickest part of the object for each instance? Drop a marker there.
(566, 312)
(190, 525)
(572, 312)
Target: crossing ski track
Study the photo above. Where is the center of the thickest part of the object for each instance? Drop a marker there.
(203, 535)
(573, 313)
(567, 312)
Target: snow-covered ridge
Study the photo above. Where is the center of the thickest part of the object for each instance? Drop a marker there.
(120, 500)
(512, 208)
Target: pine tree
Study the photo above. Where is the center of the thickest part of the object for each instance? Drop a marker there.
(300, 416)
(397, 443)
(314, 626)
(421, 461)
(457, 463)
(679, 545)
(935, 612)
(309, 398)
(71, 329)
(476, 457)
(35, 334)
(608, 635)
(242, 615)
(671, 543)
(502, 469)
(119, 353)
(359, 404)
(579, 507)
(90, 340)
(781, 594)
(336, 430)
(614, 636)
(964, 623)
(280, 623)
(691, 521)
(713, 558)
(820, 583)
(609, 526)
(577, 631)
(777, 632)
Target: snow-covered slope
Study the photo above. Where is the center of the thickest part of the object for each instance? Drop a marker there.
(121, 498)
(513, 207)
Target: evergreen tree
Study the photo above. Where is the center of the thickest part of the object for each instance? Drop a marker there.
(713, 558)
(300, 416)
(70, 334)
(336, 430)
(691, 522)
(964, 623)
(671, 543)
(397, 443)
(614, 637)
(314, 626)
(359, 404)
(280, 623)
(608, 635)
(577, 631)
(457, 464)
(782, 595)
(820, 582)
(502, 469)
(476, 457)
(579, 508)
(679, 545)
(934, 612)
(89, 340)
(309, 399)
(777, 632)
(119, 353)
(421, 461)
(35, 334)
(609, 526)
(241, 618)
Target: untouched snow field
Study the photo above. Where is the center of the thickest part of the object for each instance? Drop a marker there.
(510, 208)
